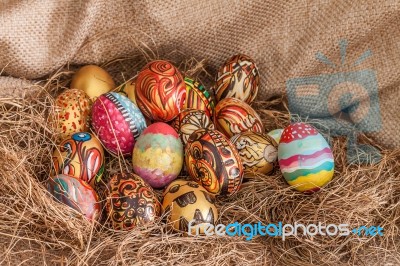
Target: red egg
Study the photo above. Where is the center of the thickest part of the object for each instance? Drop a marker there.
(160, 91)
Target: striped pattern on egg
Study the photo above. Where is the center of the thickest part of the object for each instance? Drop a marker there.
(305, 158)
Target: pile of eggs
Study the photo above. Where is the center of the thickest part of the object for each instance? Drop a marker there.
(170, 125)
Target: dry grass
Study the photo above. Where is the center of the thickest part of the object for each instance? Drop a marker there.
(35, 229)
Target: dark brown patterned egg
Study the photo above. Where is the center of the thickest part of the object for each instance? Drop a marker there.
(213, 161)
(130, 202)
(187, 202)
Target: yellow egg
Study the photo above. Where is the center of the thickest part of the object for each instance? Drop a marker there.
(72, 109)
(187, 201)
(93, 80)
(127, 89)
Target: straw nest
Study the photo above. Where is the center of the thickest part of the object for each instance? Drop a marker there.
(35, 229)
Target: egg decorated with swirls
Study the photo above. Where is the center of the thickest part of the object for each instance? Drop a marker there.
(117, 122)
(93, 80)
(160, 91)
(257, 151)
(130, 202)
(158, 155)
(233, 116)
(188, 121)
(72, 110)
(305, 158)
(213, 161)
(197, 97)
(238, 78)
(276, 134)
(76, 194)
(80, 156)
(187, 204)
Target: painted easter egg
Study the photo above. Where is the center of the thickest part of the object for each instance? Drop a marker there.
(160, 91)
(130, 202)
(257, 151)
(80, 156)
(187, 202)
(233, 116)
(77, 194)
(128, 90)
(158, 155)
(188, 121)
(305, 158)
(93, 80)
(276, 134)
(197, 97)
(118, 122)
(72, 110)
(237, 78)
(213, 162)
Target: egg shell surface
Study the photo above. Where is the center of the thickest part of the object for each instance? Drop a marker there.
(158, 155)
(80, 156)
(160, 91)
(257, 151)
(130, 202)
(117, 122)
(213, 161)
(72, 110)
(76, 194)
(186, 201)
(238, 78)
(305, 158)
(233, 116)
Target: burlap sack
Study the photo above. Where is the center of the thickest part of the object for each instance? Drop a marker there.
(341, 46)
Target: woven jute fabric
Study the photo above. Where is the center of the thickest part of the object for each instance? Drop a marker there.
(315, 44)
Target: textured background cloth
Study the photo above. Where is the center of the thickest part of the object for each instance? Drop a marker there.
(283, 37)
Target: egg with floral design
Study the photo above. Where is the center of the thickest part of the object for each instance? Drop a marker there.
(188, 121)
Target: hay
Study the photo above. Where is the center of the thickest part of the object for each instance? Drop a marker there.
(35, 229)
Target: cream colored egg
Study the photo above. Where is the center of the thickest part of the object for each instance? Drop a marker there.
(93, 80)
